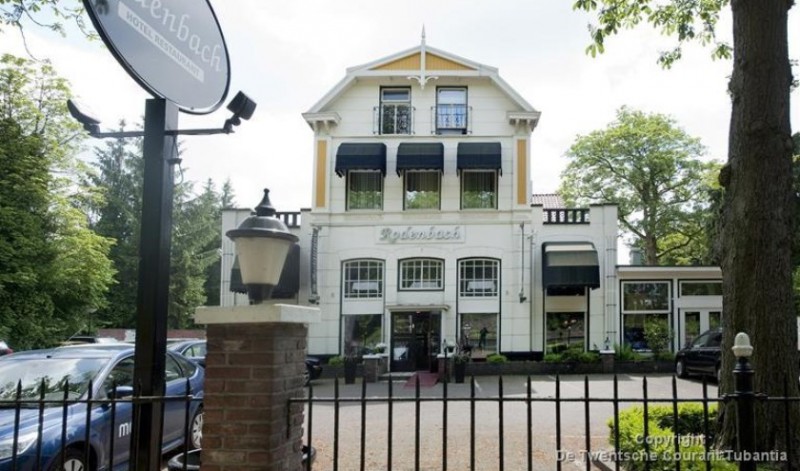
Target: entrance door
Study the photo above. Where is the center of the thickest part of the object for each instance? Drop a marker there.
(696, 321)
(415, 340)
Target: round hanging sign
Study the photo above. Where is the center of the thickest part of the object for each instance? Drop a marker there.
(172, 48)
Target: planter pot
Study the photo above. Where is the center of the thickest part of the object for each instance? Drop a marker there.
(350, 372)
(459, 371)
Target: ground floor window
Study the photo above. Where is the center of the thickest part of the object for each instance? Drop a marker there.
(362, 332)
(646, 332)
(479, 333)
(565, 331)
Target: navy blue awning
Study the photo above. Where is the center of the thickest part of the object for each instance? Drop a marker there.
(422, 156)
(479, 156)
(360, 156)
(568, 265)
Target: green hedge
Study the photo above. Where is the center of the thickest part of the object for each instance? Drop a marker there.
(496, 358)
(661, 438)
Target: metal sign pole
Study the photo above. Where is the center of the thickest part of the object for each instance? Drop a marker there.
(153, 295)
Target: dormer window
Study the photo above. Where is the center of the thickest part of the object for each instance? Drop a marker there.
(395, 113)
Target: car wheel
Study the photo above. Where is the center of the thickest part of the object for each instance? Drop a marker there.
(74, 460)
(196, 430)
(680, 369)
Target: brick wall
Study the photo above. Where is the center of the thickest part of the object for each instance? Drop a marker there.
(251, 372)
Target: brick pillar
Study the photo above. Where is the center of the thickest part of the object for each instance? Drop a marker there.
(254, 365)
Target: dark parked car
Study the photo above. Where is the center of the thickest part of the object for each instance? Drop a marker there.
(196, 350)
(5, 349)
(76, 368)
(702, 356)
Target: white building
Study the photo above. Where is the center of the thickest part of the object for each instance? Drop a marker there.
(423, 233)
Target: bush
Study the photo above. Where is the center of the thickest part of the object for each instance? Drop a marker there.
(496, 358)
(572, 355)
(661, 437)
(580, 356)
(336, 361)
(552, 358)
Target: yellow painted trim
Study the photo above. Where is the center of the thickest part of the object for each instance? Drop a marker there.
(412, 62)
(434, 62)
(522, 171)
(322, 173)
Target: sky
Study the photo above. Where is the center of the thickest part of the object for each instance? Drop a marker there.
(287, 54)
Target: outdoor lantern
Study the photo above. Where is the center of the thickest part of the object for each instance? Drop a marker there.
(741, 346)
(262, 244)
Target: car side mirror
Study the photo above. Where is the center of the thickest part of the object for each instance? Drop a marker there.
(121, 392)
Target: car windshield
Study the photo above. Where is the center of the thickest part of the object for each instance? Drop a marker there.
(52, 374)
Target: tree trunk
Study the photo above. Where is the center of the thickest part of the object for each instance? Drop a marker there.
(758, 220)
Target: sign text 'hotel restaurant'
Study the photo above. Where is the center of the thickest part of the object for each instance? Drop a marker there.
(419, 234)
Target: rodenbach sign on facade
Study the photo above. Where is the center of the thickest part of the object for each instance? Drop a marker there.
(393, 235)
(175, 50)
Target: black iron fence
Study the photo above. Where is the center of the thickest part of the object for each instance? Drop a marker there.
(539, 425)
(56, 427)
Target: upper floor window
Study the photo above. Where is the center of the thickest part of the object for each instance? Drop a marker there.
(422, 189)
(479, 277)
(395, 113)
(364, 189)
(451, 110)
(363, 279)
(478, 189)
(421, 274)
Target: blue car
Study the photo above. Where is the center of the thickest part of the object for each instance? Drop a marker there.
(74, 368)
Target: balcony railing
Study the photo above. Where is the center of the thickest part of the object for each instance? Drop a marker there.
(290, 218)
(451, 119)
(566, 216)
(393, 118)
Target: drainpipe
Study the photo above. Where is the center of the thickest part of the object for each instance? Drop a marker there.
(522, 297)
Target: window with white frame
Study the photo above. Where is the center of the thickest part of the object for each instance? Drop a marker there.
(395, 111)
(645, 308)
(422, 189)
(421, 274)
(565, 331)
(364, 189)
(451, 110)
(362, 333)
(363, 279)
(479, 189)
(479, 277)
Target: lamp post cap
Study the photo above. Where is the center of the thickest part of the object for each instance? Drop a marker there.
(741, 346)
(265, 207)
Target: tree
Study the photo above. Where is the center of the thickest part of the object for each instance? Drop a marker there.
(116, 215)
(53, 269)
(195, 247)
(213, 272)
(758, 212)
(17, 13)
(652, 170)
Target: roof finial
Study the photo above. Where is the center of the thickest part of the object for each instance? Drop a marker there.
(423, 34)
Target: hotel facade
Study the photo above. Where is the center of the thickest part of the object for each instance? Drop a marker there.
(423, 231)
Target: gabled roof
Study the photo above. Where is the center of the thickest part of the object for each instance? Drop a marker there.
(421, 63)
